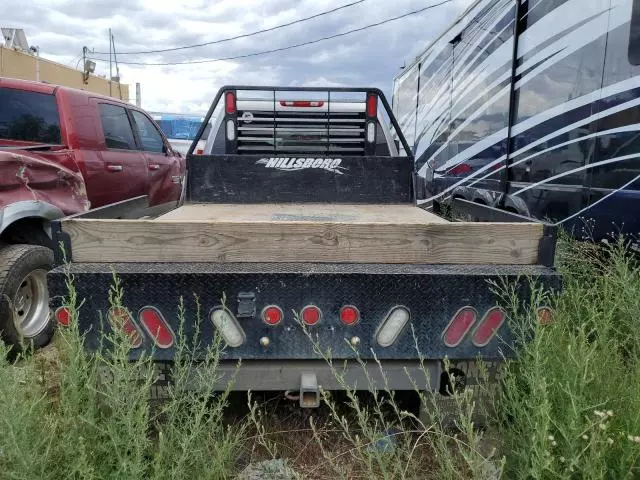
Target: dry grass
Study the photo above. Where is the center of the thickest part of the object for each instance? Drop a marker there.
(566, 408)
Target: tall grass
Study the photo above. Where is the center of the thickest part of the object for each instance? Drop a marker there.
(567, 407)
(101, 422)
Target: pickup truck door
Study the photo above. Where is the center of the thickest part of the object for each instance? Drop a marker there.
(165, 167)
(119, 170)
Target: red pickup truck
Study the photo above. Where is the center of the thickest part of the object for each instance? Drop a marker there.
(64, 151)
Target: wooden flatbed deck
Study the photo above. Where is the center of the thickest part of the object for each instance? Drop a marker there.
(333, 233)
(303, 213)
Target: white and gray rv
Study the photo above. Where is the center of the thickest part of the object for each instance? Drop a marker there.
(545, 123)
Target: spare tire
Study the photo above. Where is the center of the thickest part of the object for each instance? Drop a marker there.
(24, 297)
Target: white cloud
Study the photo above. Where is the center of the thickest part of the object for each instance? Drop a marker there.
(372, 57)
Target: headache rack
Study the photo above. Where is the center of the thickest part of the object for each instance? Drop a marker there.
(301, 127)
(303, 121)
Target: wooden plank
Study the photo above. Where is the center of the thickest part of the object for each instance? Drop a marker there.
(330, 213)
(111, 241)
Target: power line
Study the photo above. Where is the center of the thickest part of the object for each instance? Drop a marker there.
(244, 35)
(289, 47)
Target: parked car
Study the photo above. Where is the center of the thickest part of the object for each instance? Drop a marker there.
(180, 130)
(64, 151)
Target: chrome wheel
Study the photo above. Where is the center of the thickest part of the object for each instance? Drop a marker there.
(31, 304)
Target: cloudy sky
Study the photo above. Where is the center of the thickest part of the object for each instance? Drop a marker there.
(368, 58)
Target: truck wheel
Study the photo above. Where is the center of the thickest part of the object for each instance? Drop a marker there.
(24, 296)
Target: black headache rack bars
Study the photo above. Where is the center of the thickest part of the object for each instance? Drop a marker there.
(322, 131)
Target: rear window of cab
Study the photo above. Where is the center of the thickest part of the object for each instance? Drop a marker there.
(29, 116)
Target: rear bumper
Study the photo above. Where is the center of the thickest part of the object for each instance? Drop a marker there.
(432, 294)
(278, 375)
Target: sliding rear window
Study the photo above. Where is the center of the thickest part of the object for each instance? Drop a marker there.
(29, 116)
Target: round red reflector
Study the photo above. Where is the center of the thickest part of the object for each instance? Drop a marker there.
(311, 315)
(349, 315)
(545, 315)
(272, 315)
(63, 316)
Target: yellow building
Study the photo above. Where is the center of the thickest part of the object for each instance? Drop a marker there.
(20, 63)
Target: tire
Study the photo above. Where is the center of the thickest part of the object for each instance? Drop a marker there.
(23, 286)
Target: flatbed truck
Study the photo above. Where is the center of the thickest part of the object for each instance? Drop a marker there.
(303, 217)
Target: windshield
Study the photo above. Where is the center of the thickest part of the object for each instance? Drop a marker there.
(29, 116)
(179, 127)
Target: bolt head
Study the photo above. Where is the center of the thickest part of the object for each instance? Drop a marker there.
(355, 341)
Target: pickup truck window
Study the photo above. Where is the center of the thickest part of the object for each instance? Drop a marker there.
(29, 116)
(116, 127)
(148, 134)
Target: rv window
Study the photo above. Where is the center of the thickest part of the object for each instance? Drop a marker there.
(634, 34)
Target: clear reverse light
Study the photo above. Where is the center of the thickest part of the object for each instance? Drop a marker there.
(231, 130)
(391, 326)
(228, 327)
(371, 132)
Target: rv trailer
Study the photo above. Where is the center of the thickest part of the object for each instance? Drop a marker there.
(544, 123)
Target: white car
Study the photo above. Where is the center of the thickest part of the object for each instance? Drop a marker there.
(181, 129)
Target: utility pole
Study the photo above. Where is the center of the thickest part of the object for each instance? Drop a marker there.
(110, 71)
(115, 59)
(37, 64)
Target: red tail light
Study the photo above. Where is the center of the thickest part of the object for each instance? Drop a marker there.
(372, 105)
(349, 315)
(311, 314)
(460, 169)
(199, 151)
(121, 318)
(300, 103)
(545, 315)
(63, 316)
(488, 326)
(156, 326)
(230, 102)
(459, 326)
(272, 315)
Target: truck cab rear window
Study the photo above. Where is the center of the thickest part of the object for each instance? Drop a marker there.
(29, 116)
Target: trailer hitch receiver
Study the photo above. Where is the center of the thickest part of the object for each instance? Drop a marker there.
(309, 392)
